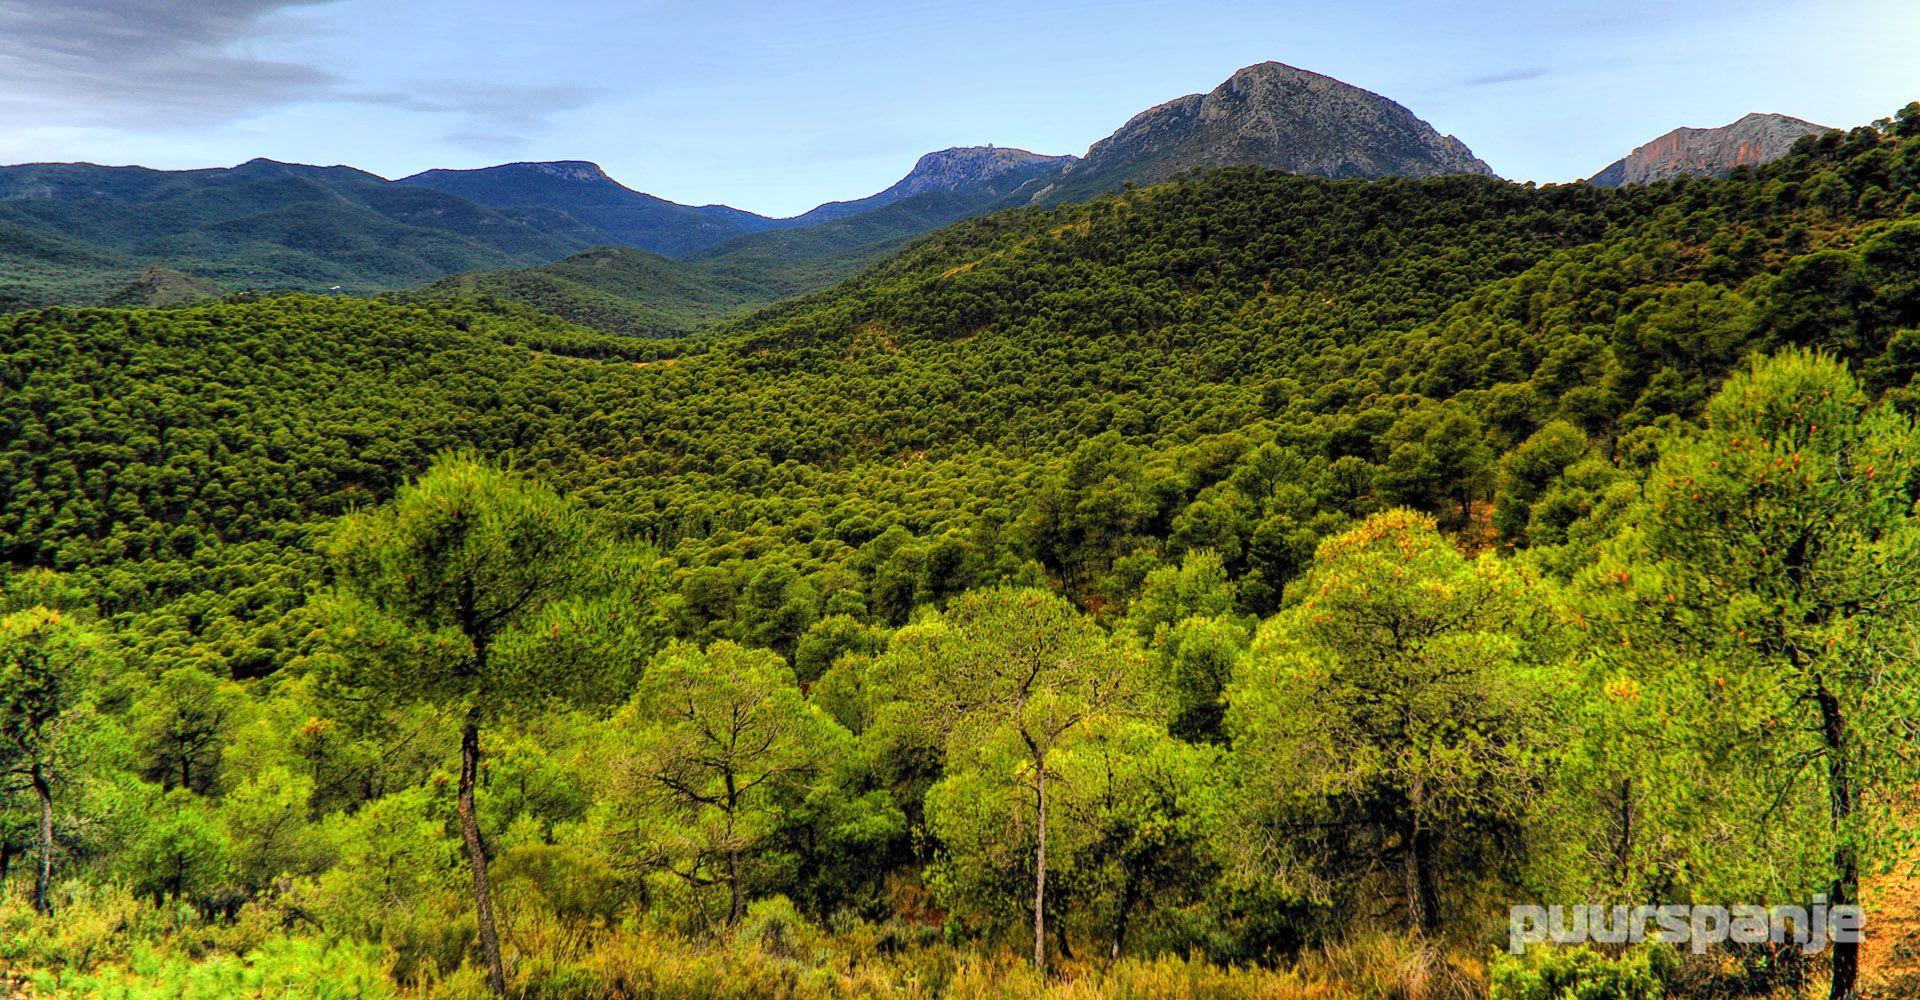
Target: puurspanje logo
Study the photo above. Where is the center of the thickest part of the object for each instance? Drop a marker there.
(1811, 928)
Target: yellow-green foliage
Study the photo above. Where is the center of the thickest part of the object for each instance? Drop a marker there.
(1579, 973)
(107, 944)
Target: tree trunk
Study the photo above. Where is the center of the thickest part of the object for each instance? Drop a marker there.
(735, 906)
(1040, 870)
(43, 875)
(1429, 880)
(477, 855)
(1623, 848)
(1423, 905)
(734, 910)
(1846, 867)
(1129, 894)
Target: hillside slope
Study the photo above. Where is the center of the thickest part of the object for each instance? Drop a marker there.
(635, 293)
(617, 290)
(978, 389)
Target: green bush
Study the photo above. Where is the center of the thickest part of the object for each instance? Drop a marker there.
(1578, 973)
(302, 967)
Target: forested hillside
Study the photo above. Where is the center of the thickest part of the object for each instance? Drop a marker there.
(635, 293)
(639, 294)
(1029, 600)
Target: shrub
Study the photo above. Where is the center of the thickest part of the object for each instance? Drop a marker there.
(1579, 973)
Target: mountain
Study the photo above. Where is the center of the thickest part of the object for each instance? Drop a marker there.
(534, 232)
(579, 199)
(79, 232)
(148, 213)
(1268, 115)
(87, 234)
(971, 170)
(634, 292)
(1708, 152)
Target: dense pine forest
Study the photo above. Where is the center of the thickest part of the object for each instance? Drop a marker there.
(1250, 585)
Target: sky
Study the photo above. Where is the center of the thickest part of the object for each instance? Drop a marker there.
(777, 106)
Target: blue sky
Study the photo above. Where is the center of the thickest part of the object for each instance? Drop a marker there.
(775, 107)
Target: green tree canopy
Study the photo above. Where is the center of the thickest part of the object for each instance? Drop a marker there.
(426, 585)
(1769, 579)
(1392, 713)
(714, 746)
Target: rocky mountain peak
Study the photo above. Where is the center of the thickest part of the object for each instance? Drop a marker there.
(967, 167)
(982, 173)
(568, 170)
(1272, 115)
(1708, 152)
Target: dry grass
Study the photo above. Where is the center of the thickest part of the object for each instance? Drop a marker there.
(1890, 956)
(775, 956)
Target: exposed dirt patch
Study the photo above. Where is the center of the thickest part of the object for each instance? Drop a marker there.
(1890, 956)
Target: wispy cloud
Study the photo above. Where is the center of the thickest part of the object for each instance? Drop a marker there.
(492, 107)
(1506, 76)
(167, 65)
(142, 63)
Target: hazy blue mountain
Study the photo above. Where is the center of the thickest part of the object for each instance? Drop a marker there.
(579, 199)
(261, 224)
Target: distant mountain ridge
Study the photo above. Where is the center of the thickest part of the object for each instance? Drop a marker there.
(81, 233)
(1269, 115)
(565, 237)
(1708, 152)
(579, 199)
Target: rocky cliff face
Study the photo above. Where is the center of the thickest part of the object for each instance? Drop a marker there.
(986, 171)
(1271, 115)
(1708, 152)
(972, 168)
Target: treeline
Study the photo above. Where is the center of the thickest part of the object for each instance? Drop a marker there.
(1224, 570)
